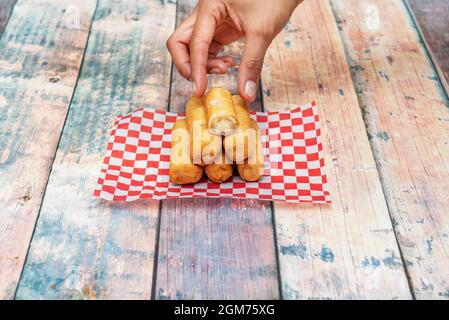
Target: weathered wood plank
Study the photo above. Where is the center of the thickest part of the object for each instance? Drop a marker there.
(6, 7)
(407, 116)
(348, 249)
(214, 248)
(84, 247)
(40, 55)
(433, 19)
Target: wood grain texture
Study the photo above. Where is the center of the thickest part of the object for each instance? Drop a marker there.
(346, 250)
(432, 17)
(6, 7)
(40, 55)
(86, 248)
(407, 116)
(214, 248)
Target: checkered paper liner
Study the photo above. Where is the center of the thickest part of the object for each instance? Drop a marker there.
(137, 161)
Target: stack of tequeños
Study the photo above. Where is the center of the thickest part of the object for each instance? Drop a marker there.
(216, 134)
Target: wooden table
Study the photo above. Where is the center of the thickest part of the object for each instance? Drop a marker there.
(67, 68)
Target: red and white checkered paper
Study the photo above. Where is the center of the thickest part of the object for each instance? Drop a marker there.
(138, 157)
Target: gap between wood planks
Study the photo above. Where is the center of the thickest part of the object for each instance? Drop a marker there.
(159, 212)
(429, 51)
(6, 7)
(273, 216)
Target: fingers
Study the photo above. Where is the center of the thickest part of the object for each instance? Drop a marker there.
(180, 55)
(216, 66)
(251, 65)
(178, 45)
(209, 16)
(230, 62)
(219, 65)
(203, 33)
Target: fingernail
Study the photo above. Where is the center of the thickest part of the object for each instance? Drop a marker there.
(250, 88)
(194, 87)
(215, 71)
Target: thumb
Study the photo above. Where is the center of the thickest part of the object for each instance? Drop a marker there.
(251, 66)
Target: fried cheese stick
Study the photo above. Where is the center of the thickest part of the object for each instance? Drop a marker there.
(182, 170)
(236, 145)
(221, 116)
(219, 172)
(204, 147)
(253, 167)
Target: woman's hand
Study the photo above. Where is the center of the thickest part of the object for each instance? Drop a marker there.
(195, 44)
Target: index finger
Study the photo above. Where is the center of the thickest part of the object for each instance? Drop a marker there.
(180, 54)
(178, 45)
(203, 33)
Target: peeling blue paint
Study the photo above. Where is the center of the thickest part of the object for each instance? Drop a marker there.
(268, 92)
(288, 44)
(290, 293)
(263, 271)
(341, 92)
(365, 262)
(326, 254)
(178, 295)
(384, 75)
(356, 68)
(408, 263)
(383, 135)
(295, 250)
(392, 261)
(287, 28)
(394, 222)
(429, 243)
(444, 294)
(371, 262)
